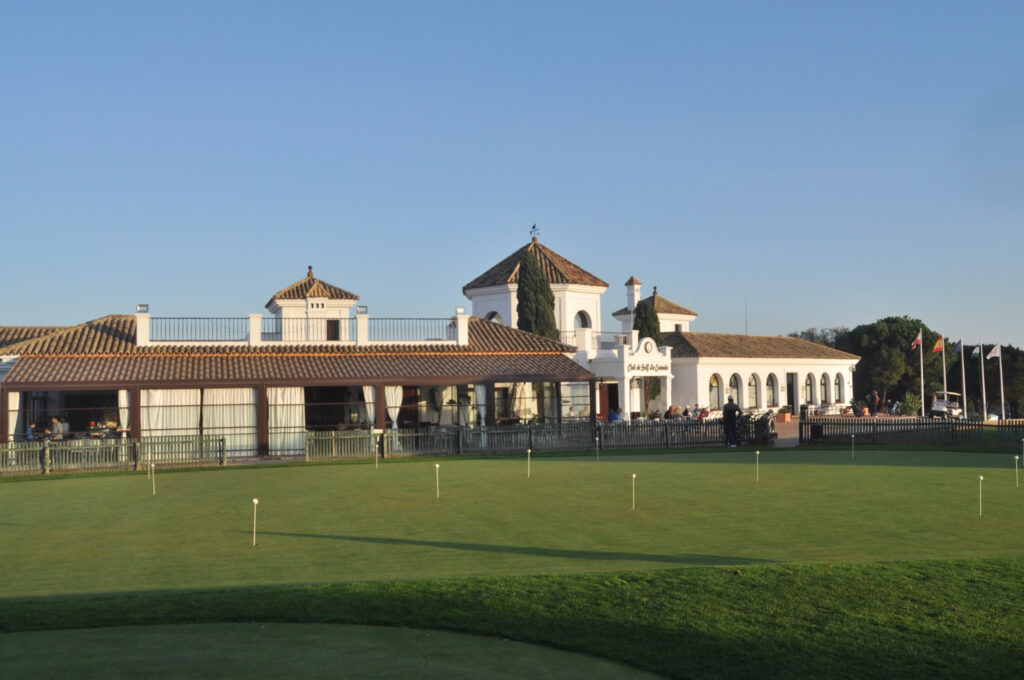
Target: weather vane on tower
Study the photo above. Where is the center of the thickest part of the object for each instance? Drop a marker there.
(534, 231)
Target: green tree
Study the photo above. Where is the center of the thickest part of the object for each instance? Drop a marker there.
(888, 364)
(645, 320)
(535, 303)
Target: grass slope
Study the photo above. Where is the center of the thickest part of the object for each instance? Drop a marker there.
(921, 619)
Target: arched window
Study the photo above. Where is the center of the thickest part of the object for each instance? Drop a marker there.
(581, 320)
(839, 388)
(734, 387)
(809, 389)
(771, 388)
(824, 388)
(752, 391)
(494, 316)
(715, 392)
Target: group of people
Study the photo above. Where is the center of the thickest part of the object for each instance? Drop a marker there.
(58, 429)
(875, 404)
(674, 412)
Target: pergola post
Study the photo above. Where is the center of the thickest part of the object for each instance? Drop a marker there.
(262, 421)
(593, 401)
(135, 413)
(381, 407)
(491, 417)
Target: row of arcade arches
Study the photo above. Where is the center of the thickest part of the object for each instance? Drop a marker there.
(756, 392)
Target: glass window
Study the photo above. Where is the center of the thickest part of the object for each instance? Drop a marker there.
(581, 320)
(715, 393)
(734, 388)
(771, 390)
(824, 387)
(839, 388)
(495, 317)
(809, 389)
(752, 392)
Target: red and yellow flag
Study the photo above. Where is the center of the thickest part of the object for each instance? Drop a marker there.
(938, 345)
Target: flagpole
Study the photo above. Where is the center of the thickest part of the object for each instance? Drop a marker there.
(963, 378)
(984, 401)
(1002, 397)
(944, 388)
(920, 355)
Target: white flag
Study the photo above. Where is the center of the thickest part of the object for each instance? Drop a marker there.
(994, 353)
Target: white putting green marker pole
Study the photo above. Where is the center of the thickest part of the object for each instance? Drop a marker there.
(980, 480)
(437, 478)
(634, 492)
(757, 466)
(255, 502)
(152, 477)
(1016, 470)
(528, 463)
(853, 446)
(597, 446)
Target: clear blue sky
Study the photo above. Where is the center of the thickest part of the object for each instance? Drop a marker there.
(822, 163)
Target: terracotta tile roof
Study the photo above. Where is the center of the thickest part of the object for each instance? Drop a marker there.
(556, 269)
(633, 281)
(291, 369)
(103, 351)
(661, 306)
(109, 334)
(721, 345)
(311, 287)
(13, 335)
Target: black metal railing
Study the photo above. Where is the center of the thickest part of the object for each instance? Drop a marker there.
(411, 330)
(198, 329)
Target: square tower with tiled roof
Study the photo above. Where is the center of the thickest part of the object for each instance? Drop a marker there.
(577, 292)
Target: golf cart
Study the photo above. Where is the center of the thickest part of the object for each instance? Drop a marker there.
(946, 405)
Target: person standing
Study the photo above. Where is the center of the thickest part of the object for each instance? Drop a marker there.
(730, 414)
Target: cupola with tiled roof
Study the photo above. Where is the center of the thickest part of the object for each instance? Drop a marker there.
(311, 287)
(671, 316)
(312, 301)
(577, 292)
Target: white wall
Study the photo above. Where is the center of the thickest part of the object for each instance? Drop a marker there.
(691, 378)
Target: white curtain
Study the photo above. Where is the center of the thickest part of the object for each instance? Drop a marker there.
(14, 424)
(287, 422)
(513, 399)
(369, 398)
(231, 413)
(170, 412)
(124, 402)
(393, 401)
(438, 393)
(480, 392)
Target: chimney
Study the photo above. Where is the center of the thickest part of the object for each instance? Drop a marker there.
(632, 292)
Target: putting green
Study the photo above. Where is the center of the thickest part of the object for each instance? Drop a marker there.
(346, 523)
(276, 650)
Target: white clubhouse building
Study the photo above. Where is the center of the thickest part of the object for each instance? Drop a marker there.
(760, 372)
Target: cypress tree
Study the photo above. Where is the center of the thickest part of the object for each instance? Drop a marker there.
(645, 320)
(535, 303)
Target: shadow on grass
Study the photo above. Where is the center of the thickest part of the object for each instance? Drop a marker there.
(867, 456)
(597, 555)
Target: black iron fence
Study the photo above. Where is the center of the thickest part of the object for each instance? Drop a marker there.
(78, 455)
(1002, 435)
(83, 455)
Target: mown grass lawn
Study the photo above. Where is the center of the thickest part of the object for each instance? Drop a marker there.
(873, 563)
